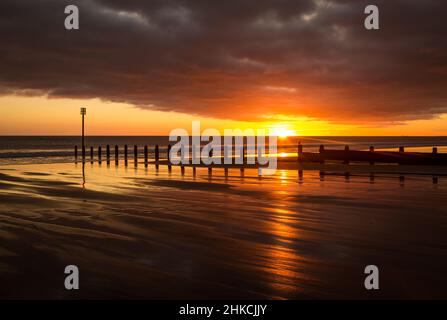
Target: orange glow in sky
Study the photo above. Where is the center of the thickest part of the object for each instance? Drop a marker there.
(43, 116)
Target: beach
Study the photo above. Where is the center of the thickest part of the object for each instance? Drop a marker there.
(258, 153)
(153, 234)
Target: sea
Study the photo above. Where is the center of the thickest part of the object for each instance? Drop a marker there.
(60, 149)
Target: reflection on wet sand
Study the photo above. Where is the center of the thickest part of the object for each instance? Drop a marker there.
(147, 233)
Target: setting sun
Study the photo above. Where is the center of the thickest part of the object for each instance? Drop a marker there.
(282, 132)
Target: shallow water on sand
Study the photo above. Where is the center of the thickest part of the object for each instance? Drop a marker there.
(142, 233)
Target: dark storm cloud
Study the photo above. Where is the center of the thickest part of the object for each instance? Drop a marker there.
(238, 59)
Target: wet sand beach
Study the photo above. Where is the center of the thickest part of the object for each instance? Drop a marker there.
(142, 233)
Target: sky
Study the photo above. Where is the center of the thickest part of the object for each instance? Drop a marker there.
(307, 67)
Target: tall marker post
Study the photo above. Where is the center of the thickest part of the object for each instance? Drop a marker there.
(83, 113)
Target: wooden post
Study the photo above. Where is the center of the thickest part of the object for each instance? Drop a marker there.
(99, 155)
(116, 155)
(300, 174)
(182, 158)
(402, 180)
(347, 154)
(347, 176)
(244, 154)
(83, 113)
(194, 170)
(401, 149)
(210, 169)
(146, 156)
(168, 155)
(125, 155)
(91, 155)
(76, 153)
(226, 171)
(300, 152)
(157, 156)
(435, 180)
(435, 150)
(321, 151)
(322, 174)
(135, 155)
(371, 149)
(371, 177)
(108, 154)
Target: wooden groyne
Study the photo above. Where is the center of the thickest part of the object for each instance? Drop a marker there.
(323, 156)
(372, 157)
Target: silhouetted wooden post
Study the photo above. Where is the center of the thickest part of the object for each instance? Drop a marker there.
(226, 171)
(435, 150)
(300, 174)
(125, 155)
(435, 180)
(168, 155)
(99, 155)
(371, 177)
(108, 154)
(157, 156)
(321, 153)
(146, 156)
(116, 155)
(371, 149)
(76, 153)
(322, 174)
(401, 149)
(300, 152)
(244, 154)
(347, 154)
(243, 158)
(182, 158)
(210, 169)
(135, 155)
(83, 154)
(91, 155)
(402, 180)
(347, 176)
(194, 170)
